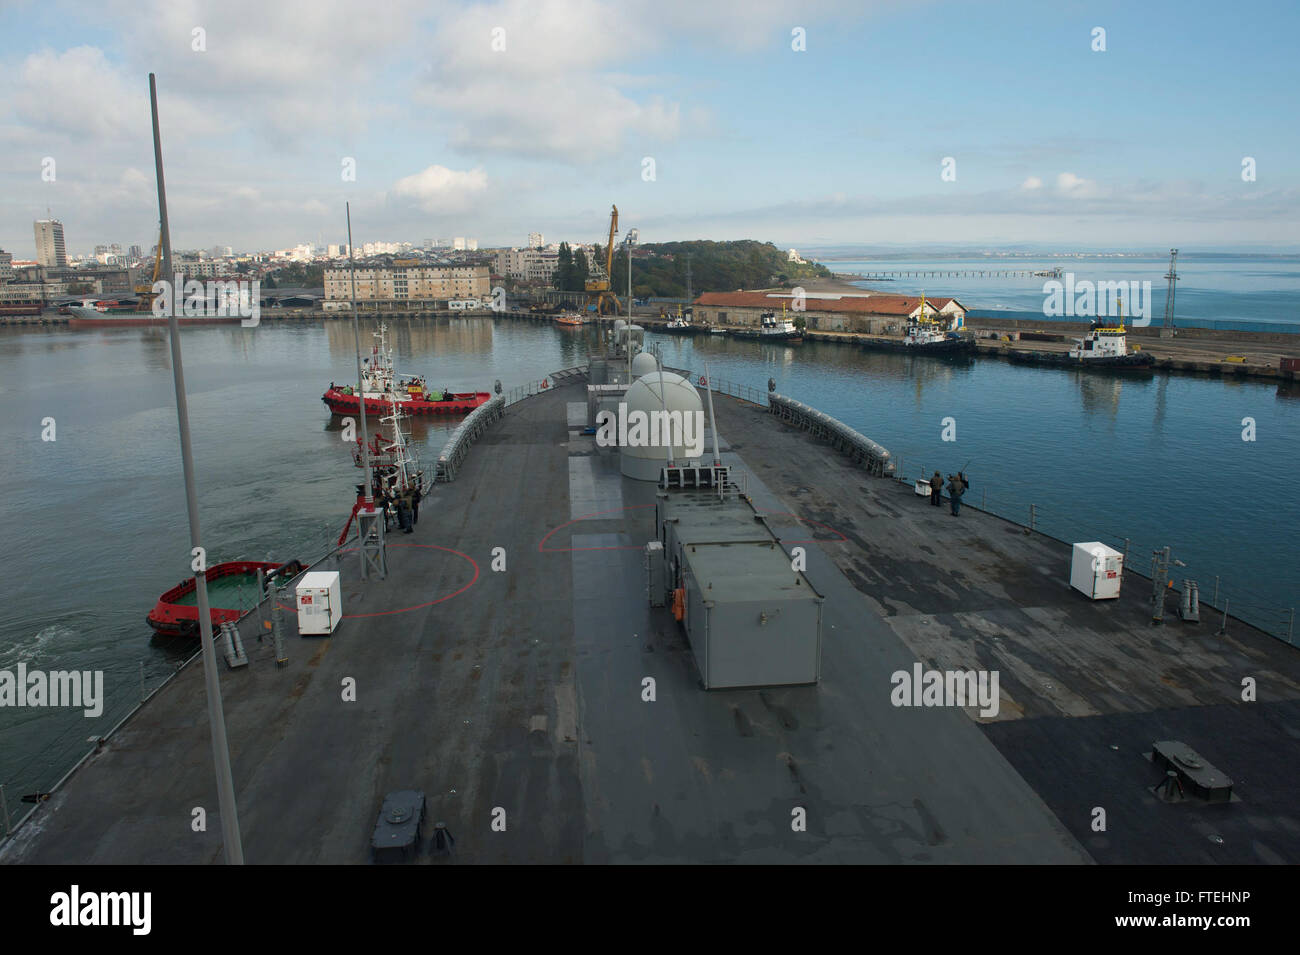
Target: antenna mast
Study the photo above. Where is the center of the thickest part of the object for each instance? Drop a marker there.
(1172, 276)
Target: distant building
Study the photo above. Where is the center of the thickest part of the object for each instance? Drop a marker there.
(6, 266)
(471, 245)
(531, 265)
(792, 255)
(406, 284)
(535, 240)
(200, 269)
(135, 254)
(50, 250)
(867, 313)
(22, 293)
(458, 243)
(104, 281)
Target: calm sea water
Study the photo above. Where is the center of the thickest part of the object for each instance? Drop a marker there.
(1214, 291)
(97, 518)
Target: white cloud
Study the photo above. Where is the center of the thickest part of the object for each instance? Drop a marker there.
(78, 94)
(560, 88)
(439, 189)
(1033, 182)
(1076, 187)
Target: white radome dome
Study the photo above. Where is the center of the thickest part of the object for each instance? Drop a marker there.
(643, 462)
(644, 364)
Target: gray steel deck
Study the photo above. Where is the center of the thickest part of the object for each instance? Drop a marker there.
(524, 692)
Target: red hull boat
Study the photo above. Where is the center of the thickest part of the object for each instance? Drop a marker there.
(344, 401)
(385, 390)
(229, 585)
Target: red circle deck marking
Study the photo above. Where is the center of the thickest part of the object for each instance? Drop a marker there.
(429, 603)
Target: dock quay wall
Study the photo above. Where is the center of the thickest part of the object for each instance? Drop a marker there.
(1068, 329)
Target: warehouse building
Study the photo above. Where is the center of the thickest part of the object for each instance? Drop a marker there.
(868, 313)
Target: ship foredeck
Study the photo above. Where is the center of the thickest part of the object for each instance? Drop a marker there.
(516, 695)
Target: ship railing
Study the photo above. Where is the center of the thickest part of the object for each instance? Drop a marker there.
(466, 433)
(542, 385)
(860, 449)
(1221, 601)
(724, 387)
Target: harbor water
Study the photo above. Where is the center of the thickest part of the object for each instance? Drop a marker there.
(99, 530)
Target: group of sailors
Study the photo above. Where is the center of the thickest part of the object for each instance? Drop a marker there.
(957, 486)
(400, 505)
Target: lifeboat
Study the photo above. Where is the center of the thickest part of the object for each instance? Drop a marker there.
(232, 590)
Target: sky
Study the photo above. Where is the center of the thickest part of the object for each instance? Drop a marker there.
(809, 124)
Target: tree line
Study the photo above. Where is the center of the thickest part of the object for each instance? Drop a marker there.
(659, 270)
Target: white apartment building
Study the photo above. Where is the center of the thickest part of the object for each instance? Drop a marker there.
(533, 265)
(410, 283)
(196, 269)
(536, 240)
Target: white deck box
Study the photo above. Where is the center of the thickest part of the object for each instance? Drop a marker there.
(1096, 570)
(320, 602)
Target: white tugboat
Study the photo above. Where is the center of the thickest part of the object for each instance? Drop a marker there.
(771, 330)
(681, 325)
(1104, 348)
(926, 336)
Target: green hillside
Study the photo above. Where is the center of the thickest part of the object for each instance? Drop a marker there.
(659, 269)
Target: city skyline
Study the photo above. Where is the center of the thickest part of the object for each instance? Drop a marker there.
(810, 126)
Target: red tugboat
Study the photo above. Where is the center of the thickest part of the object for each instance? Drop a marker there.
(383, 388)
(232, 589)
